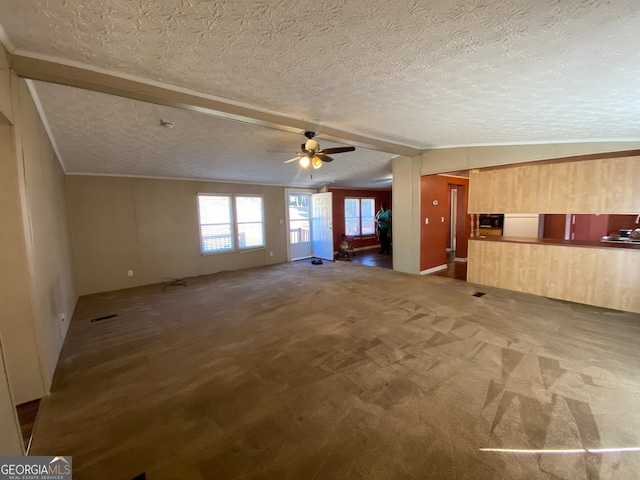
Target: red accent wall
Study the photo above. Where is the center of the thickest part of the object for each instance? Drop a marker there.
(435, 236)
(554, 225)
(589, 227)
(621, 222)
(338, 196)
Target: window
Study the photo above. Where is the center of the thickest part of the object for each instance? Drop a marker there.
(250, 215)
(368, 215)
(219, 232)
(359, 215)
(215, 223)
(299, 230)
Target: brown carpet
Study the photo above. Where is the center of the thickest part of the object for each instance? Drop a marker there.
(342, 371)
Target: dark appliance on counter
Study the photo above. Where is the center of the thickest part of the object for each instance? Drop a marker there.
(491, 220)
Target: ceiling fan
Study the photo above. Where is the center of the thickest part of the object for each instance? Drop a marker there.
(310, 153)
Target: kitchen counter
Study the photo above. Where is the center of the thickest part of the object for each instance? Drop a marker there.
(565, 243)
(590, 272)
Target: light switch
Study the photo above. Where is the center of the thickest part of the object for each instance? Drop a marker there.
(426, 221)
(442, 219)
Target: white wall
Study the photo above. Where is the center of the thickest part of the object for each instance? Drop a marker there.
(521, 225)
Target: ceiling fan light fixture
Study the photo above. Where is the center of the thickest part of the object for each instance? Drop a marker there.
(311, 154)
(312, 145)
(304, 162)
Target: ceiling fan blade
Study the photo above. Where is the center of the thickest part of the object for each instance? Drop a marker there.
(337, 150)
(294, 159)
(325, 158)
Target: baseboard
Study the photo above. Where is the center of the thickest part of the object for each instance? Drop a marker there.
(433, 270)
(459, 259)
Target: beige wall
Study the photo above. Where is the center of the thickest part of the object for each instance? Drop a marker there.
(10, 439)
(151, 227)
(406, 214)
(6, 108)
(16, 316)
(11, 256)
(37, 285)
(48, 237)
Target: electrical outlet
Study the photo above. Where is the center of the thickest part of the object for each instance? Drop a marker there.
(130, 273)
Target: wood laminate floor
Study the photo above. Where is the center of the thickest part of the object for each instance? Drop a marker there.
(27, 415)
(372, 258)
(342, 371)
(456, 270)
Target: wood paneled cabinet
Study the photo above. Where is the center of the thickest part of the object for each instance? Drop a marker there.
(608, 185)
(604, 277)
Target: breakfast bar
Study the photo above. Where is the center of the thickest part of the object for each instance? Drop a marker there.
(604, 274)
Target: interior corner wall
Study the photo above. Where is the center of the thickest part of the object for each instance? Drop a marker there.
(17, 326)
(11, 261)
(151, 227)
(11, 438)
(6, 105)
(37, 284)
(406, 214)
(49, 249)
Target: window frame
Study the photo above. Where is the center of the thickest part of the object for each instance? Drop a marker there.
(231, 224)
(234, 224)
(237, 223)
(360, 235)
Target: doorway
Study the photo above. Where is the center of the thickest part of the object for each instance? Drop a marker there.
(299, 217)
(310, 224)
(453, 216)
(322, 225)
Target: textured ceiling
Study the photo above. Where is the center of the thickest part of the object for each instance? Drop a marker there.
(418, 73)
(109, 135)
